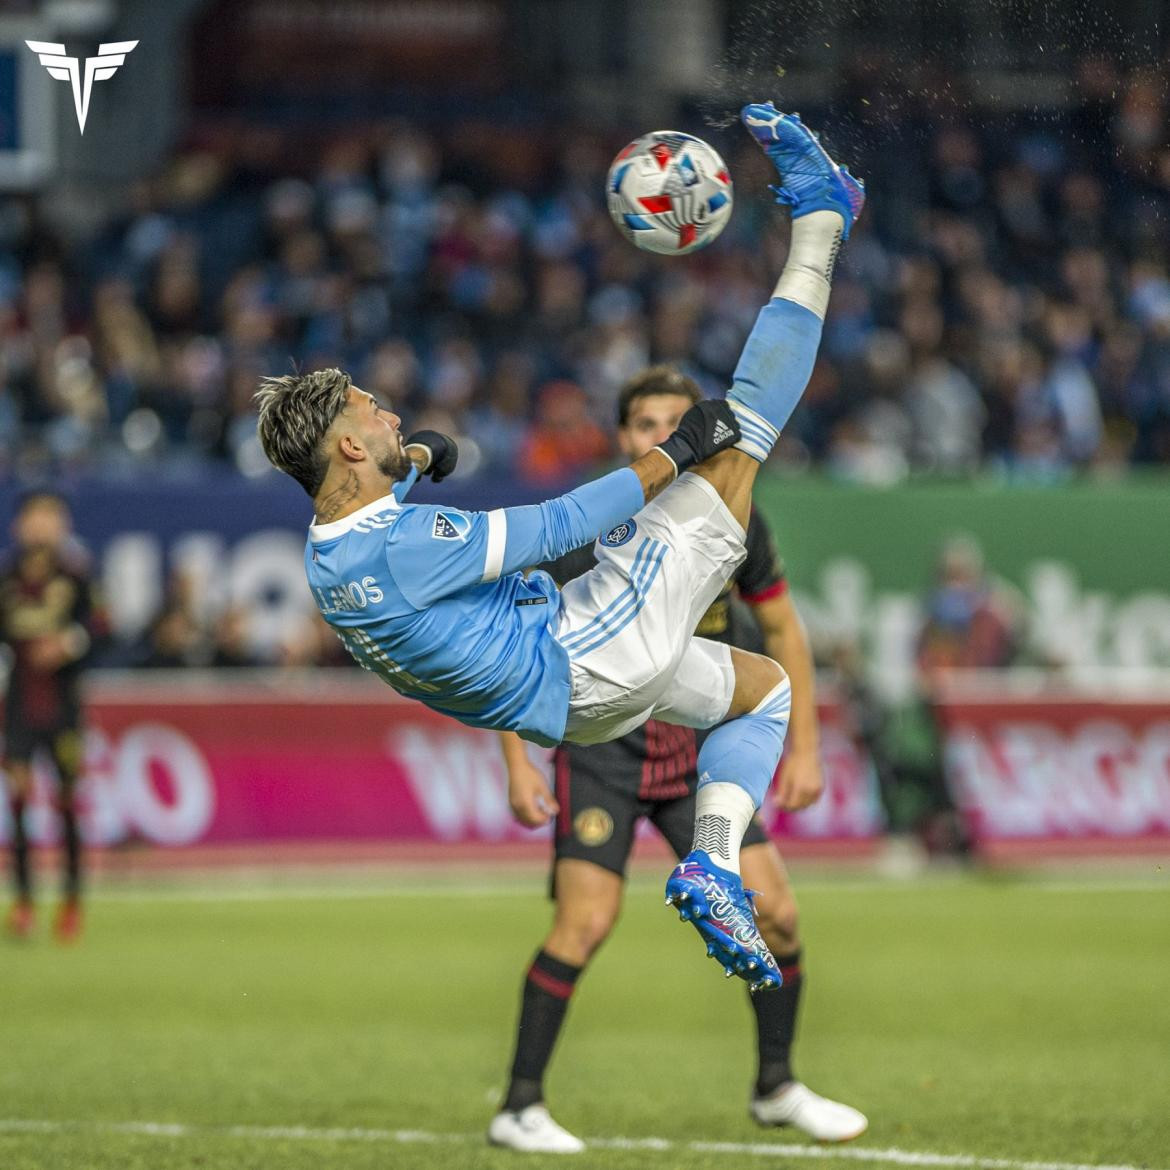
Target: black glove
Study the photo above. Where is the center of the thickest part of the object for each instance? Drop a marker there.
(443, 452)
(706, 429)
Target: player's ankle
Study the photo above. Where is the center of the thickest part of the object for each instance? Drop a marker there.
(722, 813)
(812, 256)
(522, 1092)
(804, 287)
(771, 1083)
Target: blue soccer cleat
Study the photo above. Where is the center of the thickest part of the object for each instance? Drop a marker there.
(720, 908)
(809, 179)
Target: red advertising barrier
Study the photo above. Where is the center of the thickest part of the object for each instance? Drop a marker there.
(182, 760)
(1058, 772)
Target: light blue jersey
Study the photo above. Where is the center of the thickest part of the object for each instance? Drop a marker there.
(431, 599)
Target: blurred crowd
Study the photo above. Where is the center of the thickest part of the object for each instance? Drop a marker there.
(188, 632)
(1004, 302)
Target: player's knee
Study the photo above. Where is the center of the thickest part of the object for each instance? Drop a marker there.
(19, 783)
(594, 928)
(772, 673)
(764, 672)
(580, 932)
(756, 677)
(779, 921)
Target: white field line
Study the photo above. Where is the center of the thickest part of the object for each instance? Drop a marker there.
(1137, 886)
(424, 1137)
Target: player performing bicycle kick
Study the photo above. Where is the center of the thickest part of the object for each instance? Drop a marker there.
(434, 600)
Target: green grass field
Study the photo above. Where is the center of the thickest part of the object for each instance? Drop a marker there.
(995, 1019)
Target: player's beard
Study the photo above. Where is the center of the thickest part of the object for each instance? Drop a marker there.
(395, 465)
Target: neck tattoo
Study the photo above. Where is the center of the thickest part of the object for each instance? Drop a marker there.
(328, 506)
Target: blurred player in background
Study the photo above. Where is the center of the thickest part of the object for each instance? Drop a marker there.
(47, 616)
(971, 623)
(602, 791)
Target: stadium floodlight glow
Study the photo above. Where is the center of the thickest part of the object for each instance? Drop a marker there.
(107, 62)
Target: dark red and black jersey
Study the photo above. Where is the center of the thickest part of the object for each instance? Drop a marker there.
(42, 595)
(657, 760)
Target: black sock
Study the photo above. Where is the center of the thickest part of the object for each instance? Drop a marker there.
(71, 842)
(547, 988)
(776, 1026)
(21, 875)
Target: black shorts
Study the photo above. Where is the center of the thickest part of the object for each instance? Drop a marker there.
(62, 741)
(603, 789)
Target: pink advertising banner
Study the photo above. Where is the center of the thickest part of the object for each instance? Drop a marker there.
(178, 760)
(1059, 771)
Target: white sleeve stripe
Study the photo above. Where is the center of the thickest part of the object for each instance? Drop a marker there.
(497, 536)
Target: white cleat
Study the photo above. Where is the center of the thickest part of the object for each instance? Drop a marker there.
(797, 1105)
(533, 1131)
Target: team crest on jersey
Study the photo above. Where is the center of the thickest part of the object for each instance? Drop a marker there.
(618, 536)
(450, 526)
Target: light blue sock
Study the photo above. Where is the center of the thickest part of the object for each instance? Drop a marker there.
(773, 370)
(745, 751)
(736, 764)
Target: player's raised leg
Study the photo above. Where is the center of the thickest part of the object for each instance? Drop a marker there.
(738, 759)
(825, 201)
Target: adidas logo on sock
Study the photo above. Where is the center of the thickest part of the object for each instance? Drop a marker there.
(723, 433)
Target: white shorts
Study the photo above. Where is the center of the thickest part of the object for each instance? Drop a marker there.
(628, 625)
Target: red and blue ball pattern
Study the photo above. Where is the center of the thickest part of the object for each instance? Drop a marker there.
(669, 192)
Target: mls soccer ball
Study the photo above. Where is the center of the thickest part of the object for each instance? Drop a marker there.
(669, 192)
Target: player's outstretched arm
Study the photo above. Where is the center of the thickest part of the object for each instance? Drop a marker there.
(433, 553)
(558, 526)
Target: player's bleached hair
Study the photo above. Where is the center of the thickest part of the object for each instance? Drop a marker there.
(295, 412)
(655, 380)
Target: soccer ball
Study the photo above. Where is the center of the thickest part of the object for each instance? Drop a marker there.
(669, 192)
